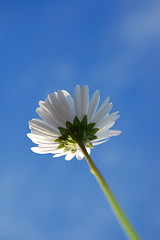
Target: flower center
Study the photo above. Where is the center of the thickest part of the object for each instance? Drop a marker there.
(78, 131)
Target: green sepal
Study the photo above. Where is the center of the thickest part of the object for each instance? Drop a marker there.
(93, 131)
(70, 139)
(61, 146)
(69, 125)
(65, 150)
(76, 122)
(58, 140)
(93, 138)
(84, 121)
(73, 150)
(63, 131)
(89, 144)
(90, 126)
(69, 147)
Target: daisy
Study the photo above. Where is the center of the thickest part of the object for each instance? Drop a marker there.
(66, 122)
(71, 127)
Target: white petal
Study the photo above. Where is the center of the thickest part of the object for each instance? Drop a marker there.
(43, 134)
(61, 150)
(81, 101)
(79, 155)
(84, 95)
(49, 145)
(88, 150)
(100, 142)
(69, 156)
(107, 120)
(47, 118)
(57, 108)
(67, 102)
(106, 128)
(77, 101)
(102, 111)
(115, 132)
(93, 106)
(43, 127)
(107, 134)
(44, 107)
(53, 113)
(43, 150)
(71, 103)
(41, 139)
(46, 138)
(99, 117)
(59, 154)
(47, 107)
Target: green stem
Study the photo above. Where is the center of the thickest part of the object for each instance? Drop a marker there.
(111, 199)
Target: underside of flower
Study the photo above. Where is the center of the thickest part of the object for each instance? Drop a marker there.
(78, 131)
(67, 121)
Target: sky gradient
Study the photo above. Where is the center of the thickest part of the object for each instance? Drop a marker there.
(112, 46)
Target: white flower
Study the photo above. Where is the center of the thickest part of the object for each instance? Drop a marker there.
(66, 121)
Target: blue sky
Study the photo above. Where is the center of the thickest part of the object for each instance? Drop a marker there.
(112, 46)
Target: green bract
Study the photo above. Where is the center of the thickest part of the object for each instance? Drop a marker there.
(76, 132)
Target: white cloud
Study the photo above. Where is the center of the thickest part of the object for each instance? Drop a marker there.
(141, 26)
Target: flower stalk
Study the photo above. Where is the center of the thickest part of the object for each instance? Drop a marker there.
(128, 229)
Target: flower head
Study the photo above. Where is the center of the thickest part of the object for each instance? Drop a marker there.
(66, 121)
